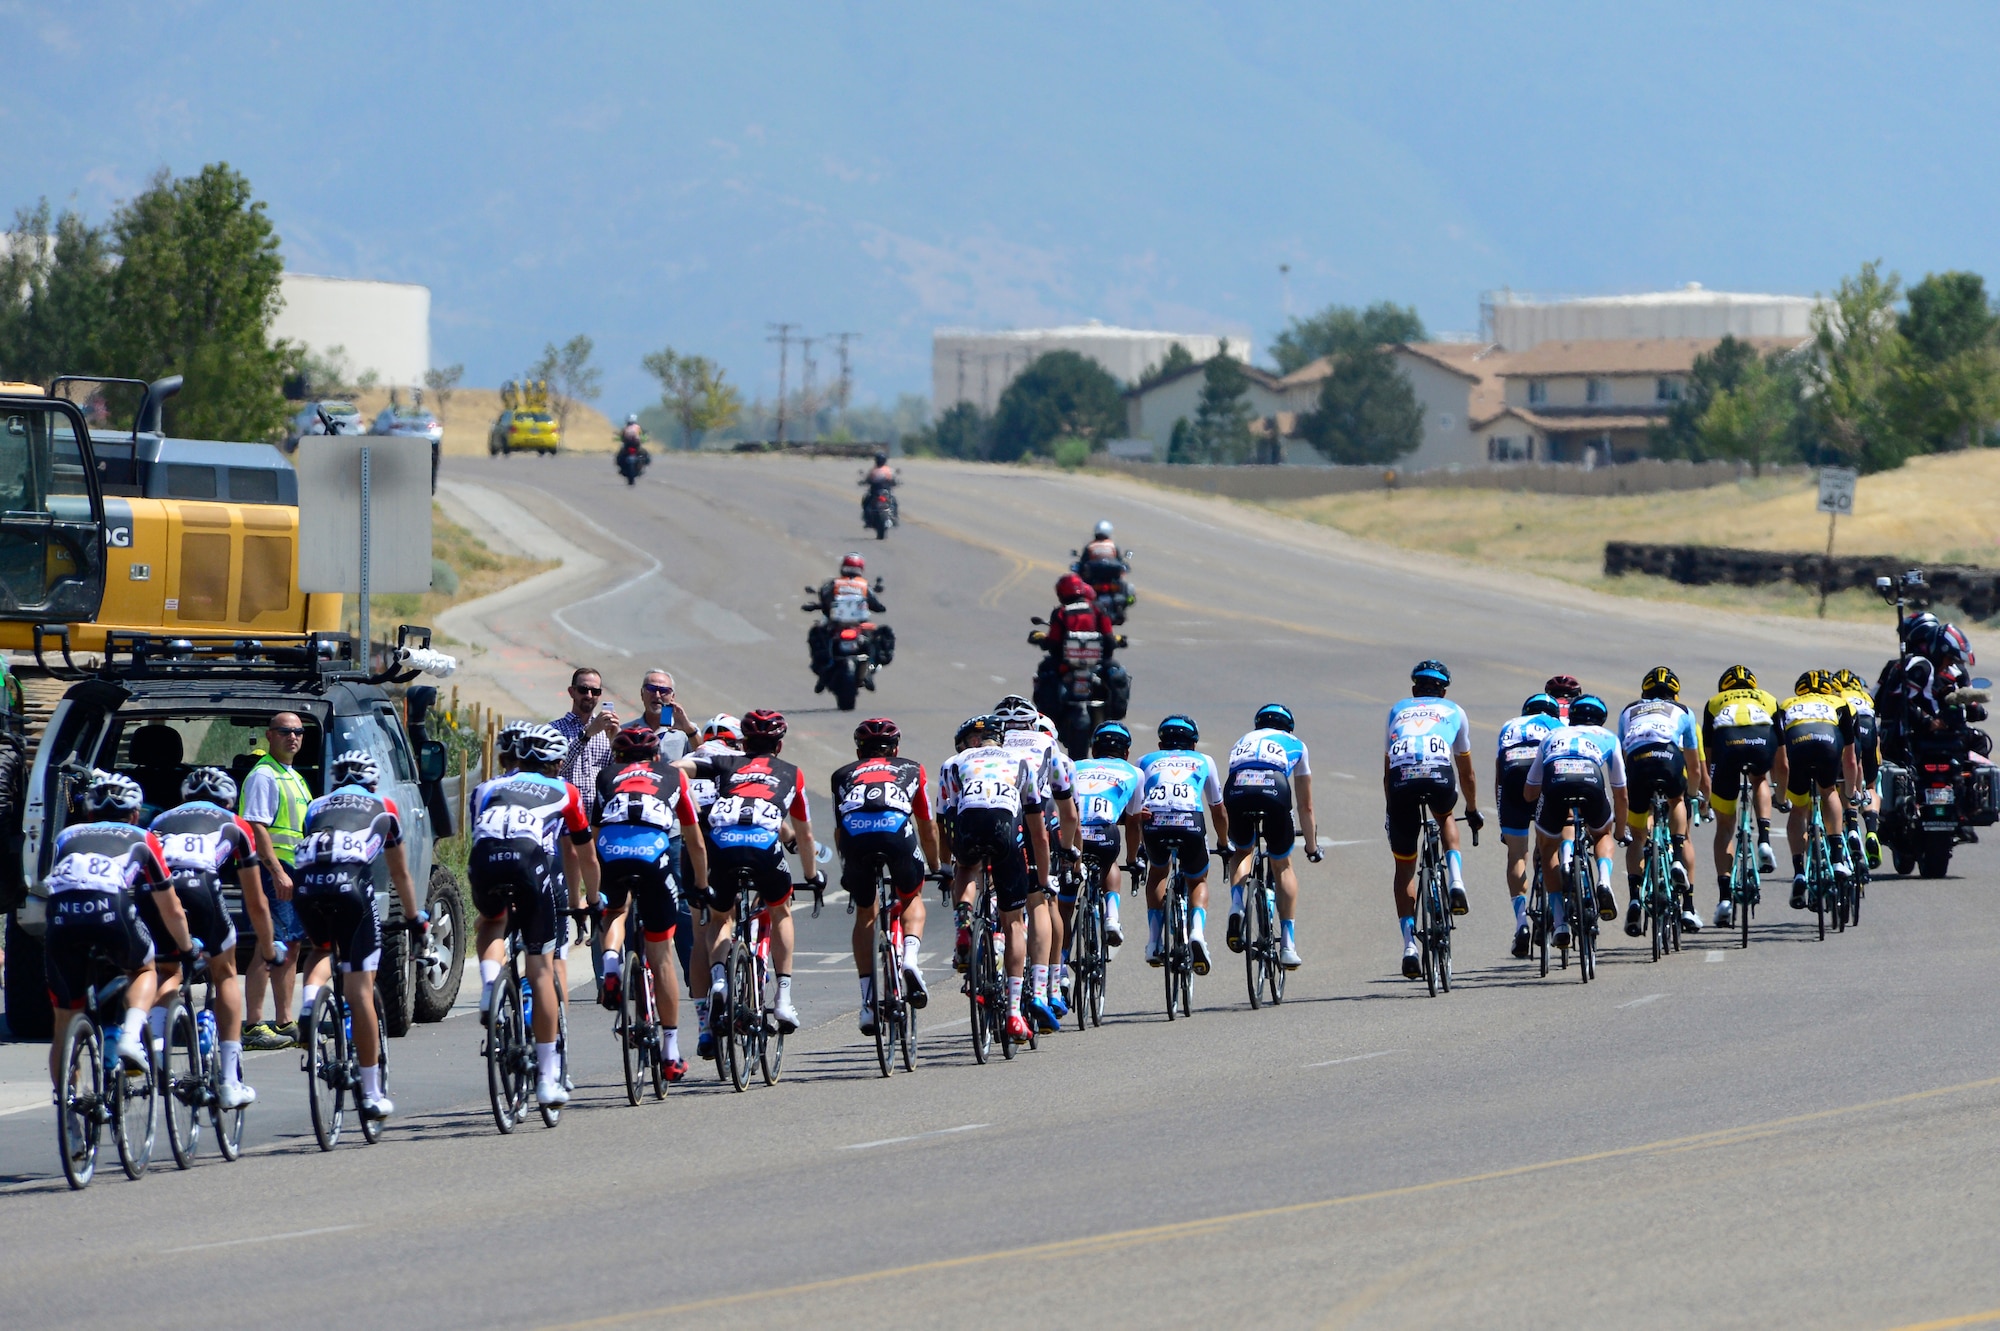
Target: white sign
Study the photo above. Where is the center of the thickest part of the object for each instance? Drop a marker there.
(399, 486)
(1836, 490)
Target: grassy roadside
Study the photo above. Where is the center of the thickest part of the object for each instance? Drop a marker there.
(476, 570)
(1937, 509)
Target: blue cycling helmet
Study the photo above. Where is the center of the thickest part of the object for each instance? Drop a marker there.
(1589, 710)
(1110, 740)
(1431, 672)
(1541, 704)
(1274, 716)
(1179, 732)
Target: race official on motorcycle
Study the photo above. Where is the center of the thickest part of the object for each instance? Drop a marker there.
(881, 476)
(851, 581)
(1075, 629)
(1101, 549)
(632, 436)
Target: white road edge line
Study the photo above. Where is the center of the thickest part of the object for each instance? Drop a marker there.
(1355, 1058)
(260, 1238)
(917, 1136)
(1641, 1002)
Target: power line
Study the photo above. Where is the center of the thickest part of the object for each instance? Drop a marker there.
(846, 379)
(783, 337)
(809, 396)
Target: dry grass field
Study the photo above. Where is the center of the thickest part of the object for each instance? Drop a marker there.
(472, 412)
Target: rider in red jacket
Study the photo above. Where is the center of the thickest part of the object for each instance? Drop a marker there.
(1078, 632)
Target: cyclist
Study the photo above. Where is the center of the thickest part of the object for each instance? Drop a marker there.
(530, 833)
(1267, 767)
(1428, 738)
(644, 818)
(1107, 798)
(100, 869)
(1580, 766)
(201, 839)
(1178, 784)
(1055, 783)
(346, 831)
(1565, 690)
(1739, 732)
(1818, 729)
(1662, 750)
(721, 733)
(759, 799)
(882, 817)
(989, 793)
(1868, 756)
(1520, 740)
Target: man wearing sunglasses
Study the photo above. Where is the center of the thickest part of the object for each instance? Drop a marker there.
(588, 726)
(665, 715)
(273, 801)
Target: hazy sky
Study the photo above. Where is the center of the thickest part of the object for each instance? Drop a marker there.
(679, 173)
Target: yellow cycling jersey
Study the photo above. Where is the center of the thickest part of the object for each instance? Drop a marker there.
(1810, 717)
(1858, 703)
(1739, 707)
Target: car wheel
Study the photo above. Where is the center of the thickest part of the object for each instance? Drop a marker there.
(29, 1014)
(438, 980)
(395, 981)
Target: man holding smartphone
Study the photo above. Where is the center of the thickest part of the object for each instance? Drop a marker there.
(665, 715)
(588, 726)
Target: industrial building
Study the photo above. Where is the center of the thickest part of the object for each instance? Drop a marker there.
(968, 365)
(1517, 321)
(380, 326)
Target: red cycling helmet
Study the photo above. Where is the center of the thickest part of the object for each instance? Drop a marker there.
(853, 563)
(877, 732)
(763, 724)
(1070, 587)
(635, 743)
(1563, 688)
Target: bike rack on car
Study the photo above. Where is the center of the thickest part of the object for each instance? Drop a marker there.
(312, 660)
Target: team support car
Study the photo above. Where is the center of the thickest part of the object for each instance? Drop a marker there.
(524, 432)
(408, 422)
(158, 707)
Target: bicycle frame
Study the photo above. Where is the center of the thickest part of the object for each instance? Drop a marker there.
(1434, 923)
(1177, 958)
(1657, 882)
(1746, 870)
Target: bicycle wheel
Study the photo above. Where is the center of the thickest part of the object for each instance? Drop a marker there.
(1816, 884)
(135, 1121)
(80, 1100)
(371, 1128)
(977, 990)
(1538, 915)
(744, 1019)
(552, 1114)
(906, 1031)
(1274, 934)
(656, 1058)
(630, 1026)
(183, 1076)
(1445, 925)
(881, 1001)
(1186, 967)
(1092, 978)
(505, 1036)
(1086, 949)
(1251, 938)
(771, 1045)
(326, 1067)
(1650, 894)
(1583, 921)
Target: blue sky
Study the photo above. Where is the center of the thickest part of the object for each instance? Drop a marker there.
(677, 173)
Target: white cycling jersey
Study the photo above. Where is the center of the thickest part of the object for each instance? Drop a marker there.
(987, 777)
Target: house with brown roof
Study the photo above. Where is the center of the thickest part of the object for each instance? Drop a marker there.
(1151, 411)
(1455, 383)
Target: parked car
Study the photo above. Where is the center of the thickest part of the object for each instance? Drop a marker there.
(413, 423)
(524, 432)
(313, 418)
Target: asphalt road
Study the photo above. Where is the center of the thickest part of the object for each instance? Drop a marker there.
(1800, 1134)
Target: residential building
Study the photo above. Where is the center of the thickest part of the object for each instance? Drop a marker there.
(1150, 412)
(1455, 383)
(968, 365)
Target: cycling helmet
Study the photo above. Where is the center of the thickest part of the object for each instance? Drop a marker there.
(763, 724)
(540, 744)
(853, 563)
(1735, 678)
(211, 784)
(1110, 740)
(1103, 532)
(1588, 710)
(1431, 672)
(1179, 732)
(1814, 681)
(1850, 682)
(1541, 704)
(506, 744)
(1273, 716)
(1015, 712)
(1563, 688)
(1047, 727)
(110, 792)
(877, 733)
(354, 767)
(1660, 681)
(635, 743)
(975, 729)
(1070, 587)
(722, 726)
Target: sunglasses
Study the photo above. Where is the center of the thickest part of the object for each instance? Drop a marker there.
(664, 690)
(588, 693)
(295, 733)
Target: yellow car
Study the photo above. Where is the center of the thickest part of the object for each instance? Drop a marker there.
(524, 432)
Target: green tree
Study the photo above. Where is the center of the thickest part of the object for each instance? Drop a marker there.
(569, 374)
(1856, 350)
(1750, 420)
(961, 432)
(1061, 393)
(1221, 431)
(194, 293)
(1367, 412)
(55, 297)
(1945, 390)
(695, 393)
(1716, 370)
(1178, 358)
(1340, 328)
(442, 382)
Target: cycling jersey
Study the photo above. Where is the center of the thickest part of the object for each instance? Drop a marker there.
(345, 832)
(1422, 737)
(1520, 740)
(1576, 767)
(1266, 760)
(880, 794)
(987, 777)
(1817, 728)
(1054, 771)
(755, 793)
(641, 795)
(98, 869)
(1107, 791)
(702, 788)
(106, 858)
(1738, 716)
(530, 808)
(641, 808)
(1179, 785)
(200, 841)
(1657, 723)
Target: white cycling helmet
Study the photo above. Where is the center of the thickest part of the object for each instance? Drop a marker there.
(506, 742)
(541, 744)
(111, 792)
(722, 726)
(1104, 530)
(1016, 712)
(211, 784)
(1047, 727)
(354, 767)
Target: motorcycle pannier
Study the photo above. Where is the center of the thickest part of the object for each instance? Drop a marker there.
(1982, 790)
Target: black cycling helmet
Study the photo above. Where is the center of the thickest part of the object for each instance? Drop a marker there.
(1735, 678)
(1589, 710)
(877, 735)
(1432, 674)
(1179, 732)
(976, 729)
(1541, 704)
(1274, 716)
(1660, 682)
(1111, 740)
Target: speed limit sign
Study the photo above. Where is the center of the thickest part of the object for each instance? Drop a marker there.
(1836, 489)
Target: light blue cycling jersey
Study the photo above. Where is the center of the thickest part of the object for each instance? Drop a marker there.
(1107, 789)
(1521, 738)
(1178, 787)
(1421, 737)
(1263, 759)
(1578, 753)
(1653, 723)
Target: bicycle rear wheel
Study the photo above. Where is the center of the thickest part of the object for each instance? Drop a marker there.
(906, 1030)
(1583, 923)
(656, 1058)
(1086, 951)
(80, 1100)
(979, 989)
(506, 1036)
(228, 1123)
(745, 1021)
(1817, 883)
(634, 988)
(1538, 915)
(771, 1043)
(1274, 935)
(371, 1127)
(1251, 936)
(881, 1002)
(185, 1082)
(326, 1067)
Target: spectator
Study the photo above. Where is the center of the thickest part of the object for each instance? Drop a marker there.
(589, 731)
(665, 714)
(273, 802)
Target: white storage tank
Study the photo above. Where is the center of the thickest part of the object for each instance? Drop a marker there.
(1518, 321)
(970, 365)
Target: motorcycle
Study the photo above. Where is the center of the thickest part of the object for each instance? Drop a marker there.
(1108, 580)
(846, 648)
(1082, 690)
(879, 511)
(632, 459)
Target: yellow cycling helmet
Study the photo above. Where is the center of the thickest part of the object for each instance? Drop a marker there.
(1851, 682)
(1813, 681)
(1736, 677)
(1660, 680)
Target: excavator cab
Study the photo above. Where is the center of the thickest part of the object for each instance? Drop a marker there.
(51, 511)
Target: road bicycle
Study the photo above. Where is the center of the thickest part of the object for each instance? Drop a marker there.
(637, 1024)
(748, 1034)
(1261, 930)
(894, 1019)
(511, 1068)
(191, 1073)
(1579, 893)
(1434, 919)
(1176, 934)
(986, 981)
(1826, 892)
(1746, 863)
(1541, 921)
(1656, 882)
(332, 1068)
(1089, 948)
(94, 1088)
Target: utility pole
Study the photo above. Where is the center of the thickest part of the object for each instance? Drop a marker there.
(846, 379)
(809, 395)
(961, 375)
(783, 337)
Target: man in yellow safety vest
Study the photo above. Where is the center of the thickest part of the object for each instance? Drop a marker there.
(273, 802)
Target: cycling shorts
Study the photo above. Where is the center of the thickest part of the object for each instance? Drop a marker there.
(1517, 816)
(208, 919)
(345, 913)
(83, 925)
(1437, 792)
(1812, 760)
(1191, 842)
(1866, 749)
(1738, 749)
(1101, 842)
(761, 867)
(994, 835)
(864, 855)
(1252, 807)
(513, 877)
(1657, 767)
(1584, 794)
(652, 885)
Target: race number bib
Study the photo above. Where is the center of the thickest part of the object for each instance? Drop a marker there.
(506, 822)
(1420, 751)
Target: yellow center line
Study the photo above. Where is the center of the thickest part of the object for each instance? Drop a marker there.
(1093, 1244)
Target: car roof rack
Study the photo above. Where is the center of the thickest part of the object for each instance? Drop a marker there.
(311, 660)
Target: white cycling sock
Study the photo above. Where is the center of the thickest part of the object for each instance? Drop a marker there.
(371, 1082)
(1013, 995)
(308, 995)
(232, 1060)
(611, 964)
(1604, 872)
(1041, 989)
(912, 946)
(545, 1060)
(135, 1021)
(784, 988)
(1520, 912)
(489, 971)
(673, 1049)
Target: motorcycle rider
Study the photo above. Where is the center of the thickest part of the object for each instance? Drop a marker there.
(632, 454)
(1078, 634)
(880, 480)
(851, 581)
(1102, 563)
